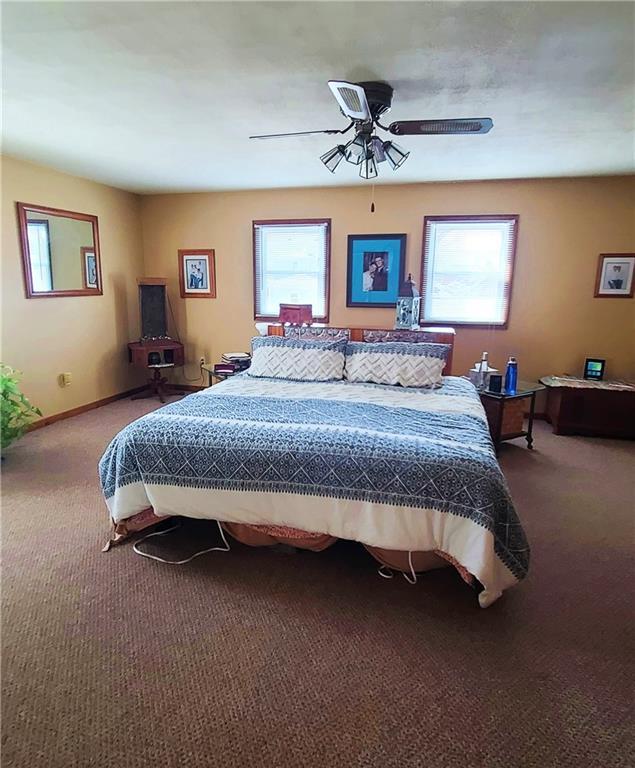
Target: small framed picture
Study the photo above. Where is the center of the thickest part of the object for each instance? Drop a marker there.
(89, 267)
(197, 274)
(375, 270)
(615, 276)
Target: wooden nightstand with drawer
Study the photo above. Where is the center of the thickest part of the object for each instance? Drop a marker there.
(506, 413)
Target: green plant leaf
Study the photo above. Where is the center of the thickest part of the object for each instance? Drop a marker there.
(16, 411)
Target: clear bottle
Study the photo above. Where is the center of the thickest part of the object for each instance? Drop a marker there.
(511, 377)
(483, 368)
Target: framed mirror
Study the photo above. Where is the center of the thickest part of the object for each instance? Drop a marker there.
(60, 252)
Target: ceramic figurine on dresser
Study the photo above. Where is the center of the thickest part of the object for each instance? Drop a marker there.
(408, 306)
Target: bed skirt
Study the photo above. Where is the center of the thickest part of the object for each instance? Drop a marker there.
(270, 535)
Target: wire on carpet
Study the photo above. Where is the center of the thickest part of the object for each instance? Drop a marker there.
(387, 573)
(136, 549)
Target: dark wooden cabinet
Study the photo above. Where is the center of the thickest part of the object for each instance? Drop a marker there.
(593, 411)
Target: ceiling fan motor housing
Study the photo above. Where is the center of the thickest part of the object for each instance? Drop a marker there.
(379, 97)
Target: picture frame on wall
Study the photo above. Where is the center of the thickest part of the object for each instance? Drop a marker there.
(89, 268)
(614, 278)
(375, 269)
(197, 273)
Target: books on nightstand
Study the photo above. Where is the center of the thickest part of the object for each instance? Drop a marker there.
(234, 361)
(225, 369)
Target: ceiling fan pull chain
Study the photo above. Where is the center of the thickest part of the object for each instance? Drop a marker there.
(372, 199)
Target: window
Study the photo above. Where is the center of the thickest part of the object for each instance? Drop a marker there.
(40, 255)
(468, 263)
(291, 266)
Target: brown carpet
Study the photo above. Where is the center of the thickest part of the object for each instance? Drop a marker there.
(265, 658)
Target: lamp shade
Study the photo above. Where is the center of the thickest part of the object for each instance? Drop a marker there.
(296, 314)
(333, 157)
(377, 145)
(368, 167)
(356, 149)
(395, 154)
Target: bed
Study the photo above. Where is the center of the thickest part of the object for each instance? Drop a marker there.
(409, 473)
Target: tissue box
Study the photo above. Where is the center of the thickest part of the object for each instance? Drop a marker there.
(474, 376)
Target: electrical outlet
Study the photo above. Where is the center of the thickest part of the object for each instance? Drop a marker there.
(65, 379)
(201, 362)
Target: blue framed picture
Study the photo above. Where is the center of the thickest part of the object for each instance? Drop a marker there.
(375, 270)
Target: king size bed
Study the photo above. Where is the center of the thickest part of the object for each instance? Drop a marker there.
(408, 471)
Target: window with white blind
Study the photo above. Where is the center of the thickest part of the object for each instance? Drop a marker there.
(468, 263)
(291, 266)
(40, 255)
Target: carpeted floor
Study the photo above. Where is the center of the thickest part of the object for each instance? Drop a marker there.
(265, 658)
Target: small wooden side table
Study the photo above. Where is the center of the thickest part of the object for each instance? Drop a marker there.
(506, 413)
(170, 354)
(211, 374)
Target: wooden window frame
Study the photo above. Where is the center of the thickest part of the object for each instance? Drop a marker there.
(327, 262)
(494, 218)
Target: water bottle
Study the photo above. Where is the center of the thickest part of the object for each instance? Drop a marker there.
(511, 376)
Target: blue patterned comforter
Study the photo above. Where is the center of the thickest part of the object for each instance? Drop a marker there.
(393, 467)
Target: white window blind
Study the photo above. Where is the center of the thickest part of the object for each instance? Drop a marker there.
(40, 255)
(467, 273)
(291, 266)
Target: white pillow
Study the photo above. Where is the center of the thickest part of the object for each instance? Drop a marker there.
(296, 359)
(397, 362)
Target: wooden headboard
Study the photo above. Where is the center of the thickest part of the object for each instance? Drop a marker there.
(373, 335)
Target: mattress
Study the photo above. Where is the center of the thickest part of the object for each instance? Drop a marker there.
(391, 467)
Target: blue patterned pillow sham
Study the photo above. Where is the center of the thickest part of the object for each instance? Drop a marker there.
(397, 363)
(280, 358)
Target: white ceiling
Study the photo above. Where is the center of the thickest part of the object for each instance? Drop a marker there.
(162, 96)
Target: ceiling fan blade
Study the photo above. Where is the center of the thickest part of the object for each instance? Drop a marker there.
(441, 127)
(351, 99)
(298, 133)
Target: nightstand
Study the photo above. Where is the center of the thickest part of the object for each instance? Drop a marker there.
(506, 413)
(211, 375)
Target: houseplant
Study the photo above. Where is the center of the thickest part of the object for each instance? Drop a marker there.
(15, 410)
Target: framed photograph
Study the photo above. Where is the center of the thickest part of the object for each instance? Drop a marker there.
(375, 270)
(197, 274)
(615, 276)
(89, 267)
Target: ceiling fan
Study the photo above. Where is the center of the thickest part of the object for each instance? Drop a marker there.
(363, 104)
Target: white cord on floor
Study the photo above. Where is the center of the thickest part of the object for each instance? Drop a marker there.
(412, 579)
(387, 573)
(226, 548)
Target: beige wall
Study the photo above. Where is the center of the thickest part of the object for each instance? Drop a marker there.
(84, 335)
(554, 323)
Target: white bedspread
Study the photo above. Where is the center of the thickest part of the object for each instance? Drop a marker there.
(397, 468)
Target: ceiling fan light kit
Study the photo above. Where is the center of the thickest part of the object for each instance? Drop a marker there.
(377, 146)
(363, 104)
(356, 149)
(368, 167)
(395, 154)
(334, 157)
